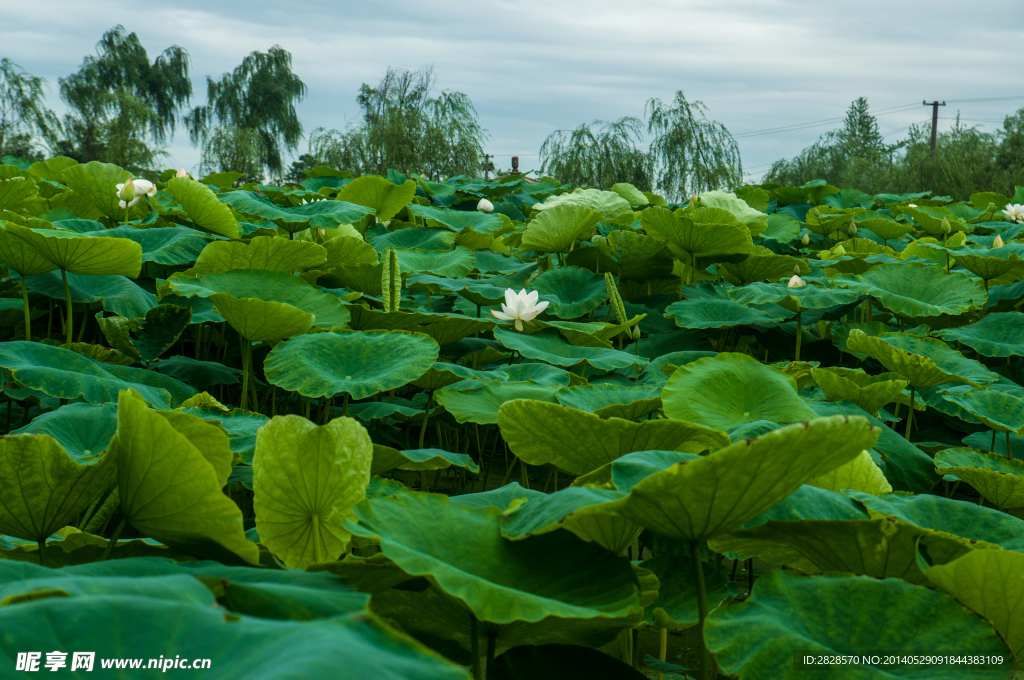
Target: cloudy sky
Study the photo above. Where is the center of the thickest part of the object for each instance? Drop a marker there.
(534, 67)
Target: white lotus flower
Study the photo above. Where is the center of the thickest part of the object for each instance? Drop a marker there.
(1014, 213)
(796, 282)
(142, 188)
(911, 205)
(520, 307)
(485, 206)
(181, 173)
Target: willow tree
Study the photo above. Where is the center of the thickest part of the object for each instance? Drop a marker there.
(255, 105)
(689, 152)
(24, 117)
(121, 106)
(598, 155)
(405, 128)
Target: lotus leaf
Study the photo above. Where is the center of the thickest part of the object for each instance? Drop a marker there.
(549, 345)
(1000, 480)
(611, 401)
(572, 291)
(917, 290)
(324, 214)
(481, 402)
(385, 198)
(996, 335)
(705, 313)
(202, 207)
(261, 252)
(556, 229)
(613, 208)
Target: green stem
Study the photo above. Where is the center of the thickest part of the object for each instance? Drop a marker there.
(42, 552)
(245, 347)
(112, 543)
(910, 415)
(799, 334)
(344, 405)
(663, 648)
(1008, 456)
(67, 297)
(492, 640)
(702, 610)
(28, 315)
(426, 418)
(474, 641)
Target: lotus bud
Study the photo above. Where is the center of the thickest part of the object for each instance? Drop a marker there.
(852, 229)
(945, 225)
(636, 332)
(485, 206)
(911, 205)
(391, 281)
(181, 173)
(127, 192)
(816, 213)
(806, 240)
(998, 242)
(796, 282)
(694, 198)
(796, 270)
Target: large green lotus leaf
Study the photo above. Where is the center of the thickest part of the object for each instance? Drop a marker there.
(444, 328)
(119, 294)
(630, 193)
(998, 410)
(155, 333)
(704, 232)
(21, 585)
(171, 471)
(83, 254)
(885, 229)
(385, 198)
(580, 510)
(810, 502)
(730, 390)
(97, 182)
(924, 362)
(348, 251)
(481, 404)
(702, 313)
(471, 289)
(21, 256)
(613, 208)
(639, 257)
(860, 474)
(306, 479)
(882, 547)
(199, 374)
(168, 246)
(549, 586)
(701, 498)
(840, 614)
(755, 220)
(763, 265)
(677, 606)
(612, 401)
(202, 207)
(386, 458)
(572, 291)
(318, 214)
(986, 263)
(782, 228)
(443, 373)
(109, 625)
(45, 488)
(53, 168)
(870, 392)
(61, 373)
(996, 335)
(549, 345)
(424, 238)
(580, 442)
(990, 583)
(459, 220)
(242, 427)
(793, 299)
(449, 263)
(590, 334)
(959, 518)
(356, 363)
(16, 190)
(83, 430)
(271, 286)
(556, 229)
(262, 320)
(1000, 480)
(917, 290)
(261, 252)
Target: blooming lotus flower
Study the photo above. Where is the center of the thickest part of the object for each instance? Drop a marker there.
(520, 307)
(1015, 213)
(181, 173)
(998, 242)
(796, 282)
(126, 191)
(911, 205)
(485, 206)
(142, 188)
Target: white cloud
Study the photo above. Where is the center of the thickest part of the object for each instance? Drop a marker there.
(532, 67)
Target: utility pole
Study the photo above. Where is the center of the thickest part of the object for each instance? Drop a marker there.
(935, 120)
(487, 165)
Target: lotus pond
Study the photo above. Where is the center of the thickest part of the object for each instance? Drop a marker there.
(382, 427)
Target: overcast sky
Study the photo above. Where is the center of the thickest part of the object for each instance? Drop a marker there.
(534, 67)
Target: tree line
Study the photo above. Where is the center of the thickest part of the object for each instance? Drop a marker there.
(123, 108)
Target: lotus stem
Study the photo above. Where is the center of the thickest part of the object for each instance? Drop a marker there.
(992, 446)
(799, 334)
(1008, 456)
(112, 543)
(525, 475)
(426, 418)
(910, 414)
(42, 551)
(474, 642)
(246, 358)
(28, 315)
(67, 298)
(663, 648)
(492, 643)
(702, 609)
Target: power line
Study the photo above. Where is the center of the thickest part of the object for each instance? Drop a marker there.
(988, 99)
(801, 126)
